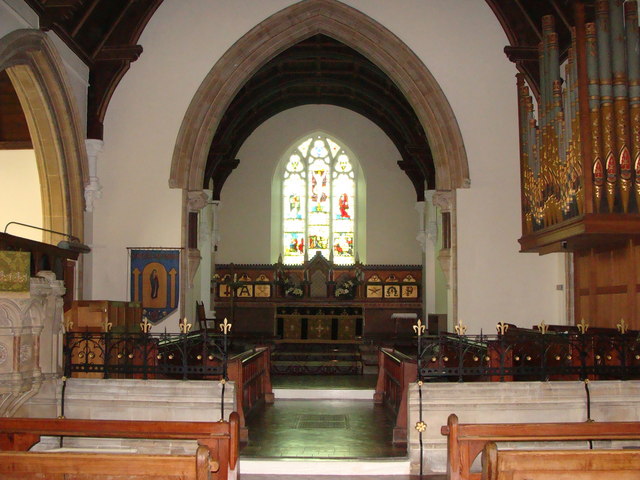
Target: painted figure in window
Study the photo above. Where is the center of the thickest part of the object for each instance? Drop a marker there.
(317, 242)
(343, 246)
(343, 205)
(293, 246)
(294, 206)
(318, 188)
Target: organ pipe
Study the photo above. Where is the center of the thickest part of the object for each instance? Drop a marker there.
(553, 180)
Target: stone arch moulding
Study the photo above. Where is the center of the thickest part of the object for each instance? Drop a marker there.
(283, 30)
(37, 74)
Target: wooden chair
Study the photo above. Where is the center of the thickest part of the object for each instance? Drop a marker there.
(204, 323)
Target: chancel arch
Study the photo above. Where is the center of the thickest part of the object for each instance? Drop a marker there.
(36, 73)
(444, 157)
(288, 27)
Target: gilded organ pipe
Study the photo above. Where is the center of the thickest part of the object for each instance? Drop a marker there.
(594, 115)
(633, 55)
(620, 100)
(606, 99)
(551, 150)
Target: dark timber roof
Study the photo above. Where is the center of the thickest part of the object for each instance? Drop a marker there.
(319, 70)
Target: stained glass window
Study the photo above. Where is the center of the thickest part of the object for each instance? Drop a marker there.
(319, 194)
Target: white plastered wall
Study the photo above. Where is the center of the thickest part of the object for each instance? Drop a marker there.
(392, 222)
(461, 44)
(20, 193)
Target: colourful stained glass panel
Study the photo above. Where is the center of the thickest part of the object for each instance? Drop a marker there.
(343, 245)
(294, 247)
(319, 199)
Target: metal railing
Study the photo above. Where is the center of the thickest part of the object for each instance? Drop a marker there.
(529, 355)
(185, 356)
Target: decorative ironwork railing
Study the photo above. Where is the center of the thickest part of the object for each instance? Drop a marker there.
(144, 355)
(529, 355)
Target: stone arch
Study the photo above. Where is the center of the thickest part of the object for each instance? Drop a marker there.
(37, 74)
(290, 26)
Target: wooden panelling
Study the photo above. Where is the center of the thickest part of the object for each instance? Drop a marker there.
(607, 285)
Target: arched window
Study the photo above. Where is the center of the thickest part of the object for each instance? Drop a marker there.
(318, 202)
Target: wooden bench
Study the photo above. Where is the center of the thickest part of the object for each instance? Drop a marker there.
(114, 466)
(220, 438)
(559, 464)
(466, 441)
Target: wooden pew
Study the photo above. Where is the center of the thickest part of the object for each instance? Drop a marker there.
(220, 438)
(111, 466)
(466, 441)
(559, 464)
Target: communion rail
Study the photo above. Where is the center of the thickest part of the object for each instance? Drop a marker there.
(520, 354)
(186, 356)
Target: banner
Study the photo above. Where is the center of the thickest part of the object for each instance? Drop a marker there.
(155, 281)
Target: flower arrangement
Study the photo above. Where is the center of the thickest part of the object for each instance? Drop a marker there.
(347, 289)
(292, 289)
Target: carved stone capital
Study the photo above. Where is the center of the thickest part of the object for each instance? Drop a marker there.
(92, 192)
(196, 200)
(444, 199)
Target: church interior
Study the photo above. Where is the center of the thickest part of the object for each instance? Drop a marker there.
(319, 239)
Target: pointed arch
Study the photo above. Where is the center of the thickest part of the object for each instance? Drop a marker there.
(290, 26)
(37, 74)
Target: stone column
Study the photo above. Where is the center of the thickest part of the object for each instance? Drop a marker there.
(195, 201)
(206, 245)
(427, 262)
(92, 192)
(448, 258)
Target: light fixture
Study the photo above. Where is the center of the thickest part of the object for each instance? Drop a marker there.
(73, 244)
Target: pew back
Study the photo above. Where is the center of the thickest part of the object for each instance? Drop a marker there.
(220, 438)
(466, 441)
(114, 466)
(559, 464)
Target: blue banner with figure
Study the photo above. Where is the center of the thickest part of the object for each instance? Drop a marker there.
(155, 281)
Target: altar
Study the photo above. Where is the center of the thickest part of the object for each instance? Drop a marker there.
(315, 323)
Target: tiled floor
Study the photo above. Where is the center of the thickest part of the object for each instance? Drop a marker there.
(322, 429)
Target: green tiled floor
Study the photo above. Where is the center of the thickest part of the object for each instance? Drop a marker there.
(321, 428)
